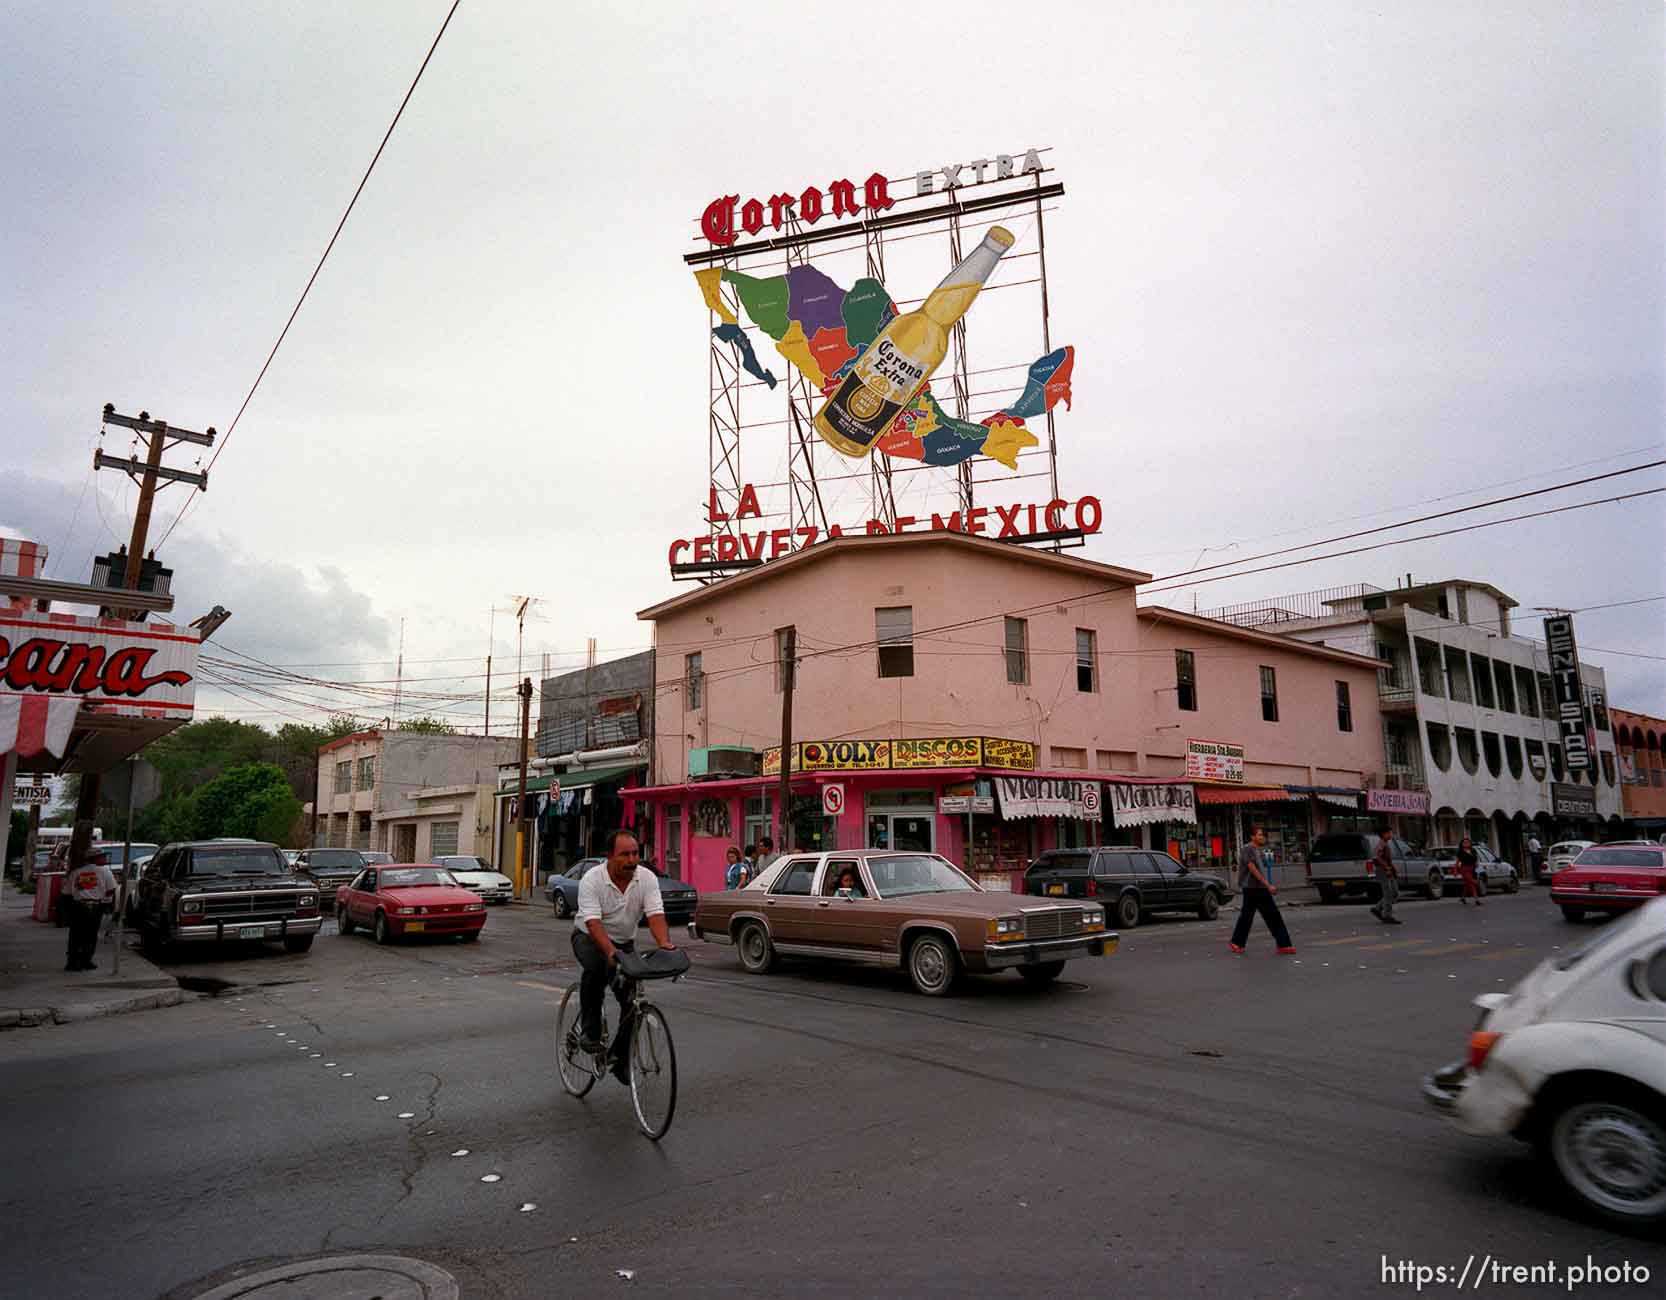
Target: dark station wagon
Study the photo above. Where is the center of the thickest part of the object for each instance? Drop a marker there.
(1130, 883)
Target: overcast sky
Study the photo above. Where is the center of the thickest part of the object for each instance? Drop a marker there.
(1322, 263)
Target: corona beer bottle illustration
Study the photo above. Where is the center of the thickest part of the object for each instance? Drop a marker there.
(887, 377)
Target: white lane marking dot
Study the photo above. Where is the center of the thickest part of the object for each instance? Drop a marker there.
(407, 1114)
(529, 1207)
(431, 1132)
(491, 1178)
(318, 1056)
(381, 1096)
(346, 1074)
(462, 1152)
(329, 1065)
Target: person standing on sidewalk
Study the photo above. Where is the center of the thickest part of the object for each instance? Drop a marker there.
(86, 889)
(1256, 897)
(1536, 857)
(1388, 875)
(1468, 860)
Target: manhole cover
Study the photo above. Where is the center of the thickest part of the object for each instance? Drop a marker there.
(342, 1277)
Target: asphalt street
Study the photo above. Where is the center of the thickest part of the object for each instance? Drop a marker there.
(1171, 1120)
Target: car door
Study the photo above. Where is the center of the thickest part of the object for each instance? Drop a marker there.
(361, 896)
(1114, 871)
(790, 905)
(1158, 887)
(845, 922)
(150, 884)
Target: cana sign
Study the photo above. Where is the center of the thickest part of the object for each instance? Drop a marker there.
(115, 663)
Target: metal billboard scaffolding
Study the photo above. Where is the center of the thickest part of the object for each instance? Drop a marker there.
(816, 479)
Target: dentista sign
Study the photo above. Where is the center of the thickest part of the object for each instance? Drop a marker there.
(1016, 521)
(726, 215)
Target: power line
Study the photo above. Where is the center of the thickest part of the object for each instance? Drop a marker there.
(284, 333)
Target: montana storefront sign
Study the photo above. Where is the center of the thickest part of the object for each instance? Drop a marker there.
(1049, 796)
(1148, 805)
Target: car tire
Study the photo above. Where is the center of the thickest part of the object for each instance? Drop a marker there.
(1480, 884)
(1572, 913)
(1328, 895)
(384, 934)
(297, 942)
(1208, 906)
(561, 909)
(1513, 885)
(752, 944)
(344, 923)
(1042, 972)
(1434, 886)
(1608, 1149)
(933, 964)
(1128, 911)
(473, 936)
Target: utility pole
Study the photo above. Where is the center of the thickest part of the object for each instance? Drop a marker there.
(491, 636)
(783, 800)
(523, 839)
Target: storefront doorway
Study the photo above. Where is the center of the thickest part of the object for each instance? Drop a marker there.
(902, 819)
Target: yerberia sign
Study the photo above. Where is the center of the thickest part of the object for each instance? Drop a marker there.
(1570, 696)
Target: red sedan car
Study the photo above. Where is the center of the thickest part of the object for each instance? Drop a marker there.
(1610, 878)
(395, 901)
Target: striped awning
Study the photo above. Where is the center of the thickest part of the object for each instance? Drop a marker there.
(1219, 795)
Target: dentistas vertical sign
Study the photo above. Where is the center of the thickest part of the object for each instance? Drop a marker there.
(1570, 695)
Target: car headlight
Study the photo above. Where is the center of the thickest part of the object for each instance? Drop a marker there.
(411, 911)
(1093, 918)
(474, 907)
(1004, 928)
(309, 900)
(191, 906)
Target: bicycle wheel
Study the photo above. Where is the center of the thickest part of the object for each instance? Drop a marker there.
(653, 1072)
(576, 1075)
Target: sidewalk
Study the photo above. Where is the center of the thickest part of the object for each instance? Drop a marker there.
(35, 989)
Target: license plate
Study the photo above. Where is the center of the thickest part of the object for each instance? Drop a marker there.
(1339, 883)
(411, 927)
(252, 932)
(1055, 889)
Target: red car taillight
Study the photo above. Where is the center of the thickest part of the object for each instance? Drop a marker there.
(1370, 868)
(1093, 888)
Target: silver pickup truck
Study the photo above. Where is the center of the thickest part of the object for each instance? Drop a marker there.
(1343, 863)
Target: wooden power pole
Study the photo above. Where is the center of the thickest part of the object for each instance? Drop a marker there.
(523, 838)
(789, 647)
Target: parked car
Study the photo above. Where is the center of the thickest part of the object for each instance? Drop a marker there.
(208, 890)
(404, 900)
(480, 876)
(917, 911)
(1129, 883)
(1562, 853)
(562, 890)
(1610, 878)
(329, 869)
(1491, 871)
(375, 857)
(1573, 1060)
(291, 856)
(680, 898)
(1343, 863)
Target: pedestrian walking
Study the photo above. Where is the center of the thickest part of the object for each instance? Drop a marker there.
(734, 875)
(1468, 860)
(1536, 857)
(86, 889)
(766, 853)
(1256, 897)
(1388, 877)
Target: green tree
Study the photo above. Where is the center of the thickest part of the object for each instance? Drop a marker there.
(429, 724)
(253, 801)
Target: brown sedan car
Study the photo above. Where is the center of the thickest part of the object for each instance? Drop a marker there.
(914, 910)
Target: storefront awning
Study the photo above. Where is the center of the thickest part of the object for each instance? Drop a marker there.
(570, 780)
(1340, 795)
(1220, 795)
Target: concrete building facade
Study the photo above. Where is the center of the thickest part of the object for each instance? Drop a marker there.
(1638, 742)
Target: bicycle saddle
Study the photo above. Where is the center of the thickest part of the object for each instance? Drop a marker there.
(657, 964)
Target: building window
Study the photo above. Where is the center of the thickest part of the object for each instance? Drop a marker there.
(1512, 755)
(1018, 650)
(1185, 679)
(781, 634)
(1547, 696)
(1599, 711)
(1506, 682)
(1344, 708)
(1087, 660)
(1440, 746)
(442, 839)
(894, 633)
(696, 680)
(1608, 767)
(1526, 693)
(1269, 694)
(367, 773)
(1482, 677)
(344, 777)
(1468, 753)
(1536, 758)
(361, 835)
(674, 840)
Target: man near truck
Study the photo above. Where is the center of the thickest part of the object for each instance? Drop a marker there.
(86, 889)
(1388, 876)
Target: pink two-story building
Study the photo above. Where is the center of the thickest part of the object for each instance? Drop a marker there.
(988, 701)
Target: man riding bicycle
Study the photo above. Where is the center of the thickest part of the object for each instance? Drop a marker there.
(611, 903)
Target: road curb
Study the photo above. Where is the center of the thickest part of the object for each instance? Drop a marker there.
(76, 1012)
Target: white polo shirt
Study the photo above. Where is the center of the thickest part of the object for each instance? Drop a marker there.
(599, 899)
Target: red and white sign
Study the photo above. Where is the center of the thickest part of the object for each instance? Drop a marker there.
(833, 800)
(1084, 513)
(52, 665)
(1213, 760)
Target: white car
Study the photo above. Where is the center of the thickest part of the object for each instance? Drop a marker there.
(1563, 853)
(1573, 1059)
(480, 876)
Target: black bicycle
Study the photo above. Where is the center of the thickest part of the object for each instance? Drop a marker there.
(653, 1060)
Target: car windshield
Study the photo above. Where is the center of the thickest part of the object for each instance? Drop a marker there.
(916, 873)
(767, 877)
(1342, 848)
(333, 858)
(256, 859)
(1566, 848)
(375, 858)
(451, 863)
(400, 877)
(1605, 857)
